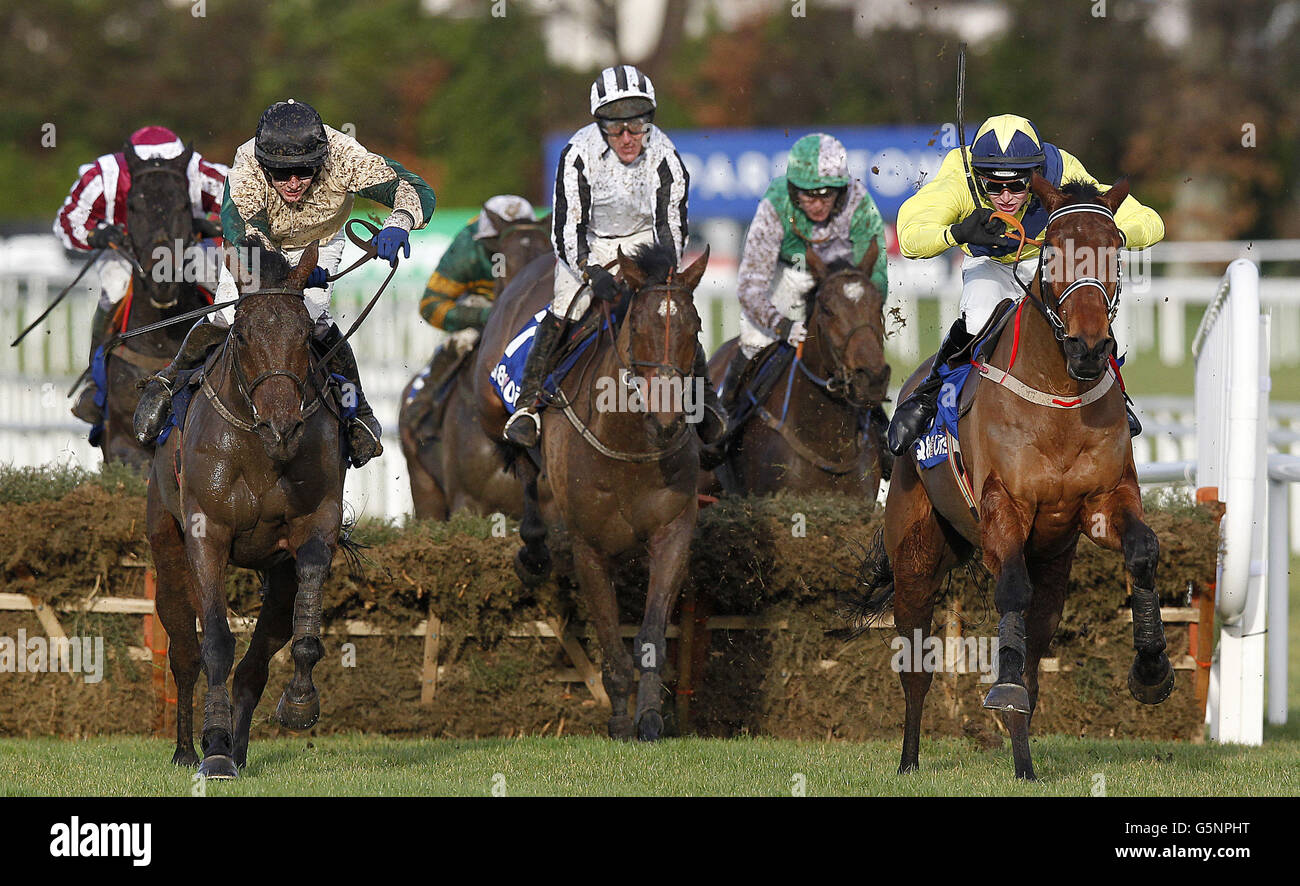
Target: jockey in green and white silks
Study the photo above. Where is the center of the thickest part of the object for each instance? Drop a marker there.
(816, 205)
(620, 184)
(1003, 157)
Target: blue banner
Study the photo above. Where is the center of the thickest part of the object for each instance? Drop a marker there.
(731, 168)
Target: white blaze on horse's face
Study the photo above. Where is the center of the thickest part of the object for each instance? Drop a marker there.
(667, 306)
(854, 291)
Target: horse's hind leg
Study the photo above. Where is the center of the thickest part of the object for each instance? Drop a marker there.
(1117, 523)
(1003, 532)
(274, 627)
(669, 560)
(299, 706)
(616, 668)
(1049, 579)
(175, 606)
(920, 555)
(533, 560)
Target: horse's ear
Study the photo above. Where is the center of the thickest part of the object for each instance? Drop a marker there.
(869, 260)
(497, 221)
(691, 276)
(631, 271)
(298, 276)
(816, 266)
(1115, 196)
(1046, 192)
(132, 161)
(184, 161)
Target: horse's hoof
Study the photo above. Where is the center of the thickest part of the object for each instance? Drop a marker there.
(218, 767)
(650, 727)
(907, 768)
(620, 727)
(298, 715)
(1155, 691)
(1008, 697)
(530, 576)
(185, 757)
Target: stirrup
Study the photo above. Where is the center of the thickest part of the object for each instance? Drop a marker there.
(516, 432)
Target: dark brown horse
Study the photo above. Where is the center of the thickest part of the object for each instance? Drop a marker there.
(158, 217)
(622, 467)
(1049, 458)
(810, 433)
(253, 479)
(453, 465)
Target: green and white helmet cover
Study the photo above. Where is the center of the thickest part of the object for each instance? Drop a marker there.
(818, 161)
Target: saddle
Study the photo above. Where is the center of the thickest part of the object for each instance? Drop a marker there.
(427, 403)
(755, 384)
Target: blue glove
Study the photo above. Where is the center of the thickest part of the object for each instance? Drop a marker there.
(388, 241)
(316, 279)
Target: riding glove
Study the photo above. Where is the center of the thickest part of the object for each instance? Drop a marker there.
(107, 235)
(388, 241)
(317, 278)
(603, 284)
(979, 229)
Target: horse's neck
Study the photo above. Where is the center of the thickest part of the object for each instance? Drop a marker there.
(1040, 362)
(808, 398)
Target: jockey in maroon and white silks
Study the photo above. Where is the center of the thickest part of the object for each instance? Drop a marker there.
(99, 198)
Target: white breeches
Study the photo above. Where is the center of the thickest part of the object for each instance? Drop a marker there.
(316, 299)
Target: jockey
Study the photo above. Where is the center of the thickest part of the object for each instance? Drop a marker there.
(459, 295)
(290, 186)
(620, 184)
(94, 217)
(815, 204)
(1006, 152)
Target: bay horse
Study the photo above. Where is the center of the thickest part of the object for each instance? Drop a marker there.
(622, 477)
(810, 433)
(254, 478)
(158, 215)
(454, 466)
(1049, 458)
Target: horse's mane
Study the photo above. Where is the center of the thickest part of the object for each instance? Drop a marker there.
(657, 260)
(1080, 191)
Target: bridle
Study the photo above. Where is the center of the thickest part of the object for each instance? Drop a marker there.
(1046, 286)
(153, 169)
(626, 364)
(837, 382)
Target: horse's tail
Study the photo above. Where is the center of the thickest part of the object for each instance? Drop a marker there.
(872, 596)
(352, 549)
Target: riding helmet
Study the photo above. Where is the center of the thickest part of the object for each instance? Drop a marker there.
(1005, 146)
(290, 134)
(621, 92)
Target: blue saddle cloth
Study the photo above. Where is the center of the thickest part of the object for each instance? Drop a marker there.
(508, 374)
(99, 374)
(932, 446)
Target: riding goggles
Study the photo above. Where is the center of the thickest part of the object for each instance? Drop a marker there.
(301, 172)
(993, 186)
(818, 193)
(634, 125)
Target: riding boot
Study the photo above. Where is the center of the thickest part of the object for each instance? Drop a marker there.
(364, 430)
(525, 427)
(731, 381)
(712, 427)
(1134, 426)
(156, 401)
(880, 422)
(85, 408)
(915, 414)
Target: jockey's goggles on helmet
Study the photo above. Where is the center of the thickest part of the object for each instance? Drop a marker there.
(818, 193)
(993, 186)
(634, 125)
(301, 172)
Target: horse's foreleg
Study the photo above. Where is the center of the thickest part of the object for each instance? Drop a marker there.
(1049, 579)
(616, 665)
(1003, 532)
(274, 627)
(1117, 523)
(299, 706)
(176, 613)
(208, 546)
(669, 561)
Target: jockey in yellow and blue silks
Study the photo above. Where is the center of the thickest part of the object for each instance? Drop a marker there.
(1003, 158)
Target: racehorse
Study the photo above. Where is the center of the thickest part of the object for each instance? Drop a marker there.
(1046, 448)
(158, 215)
(810, 433)
(253, 478)
(622, 476)
(453, 466)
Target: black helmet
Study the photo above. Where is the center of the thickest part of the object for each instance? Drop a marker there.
(290, 134)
